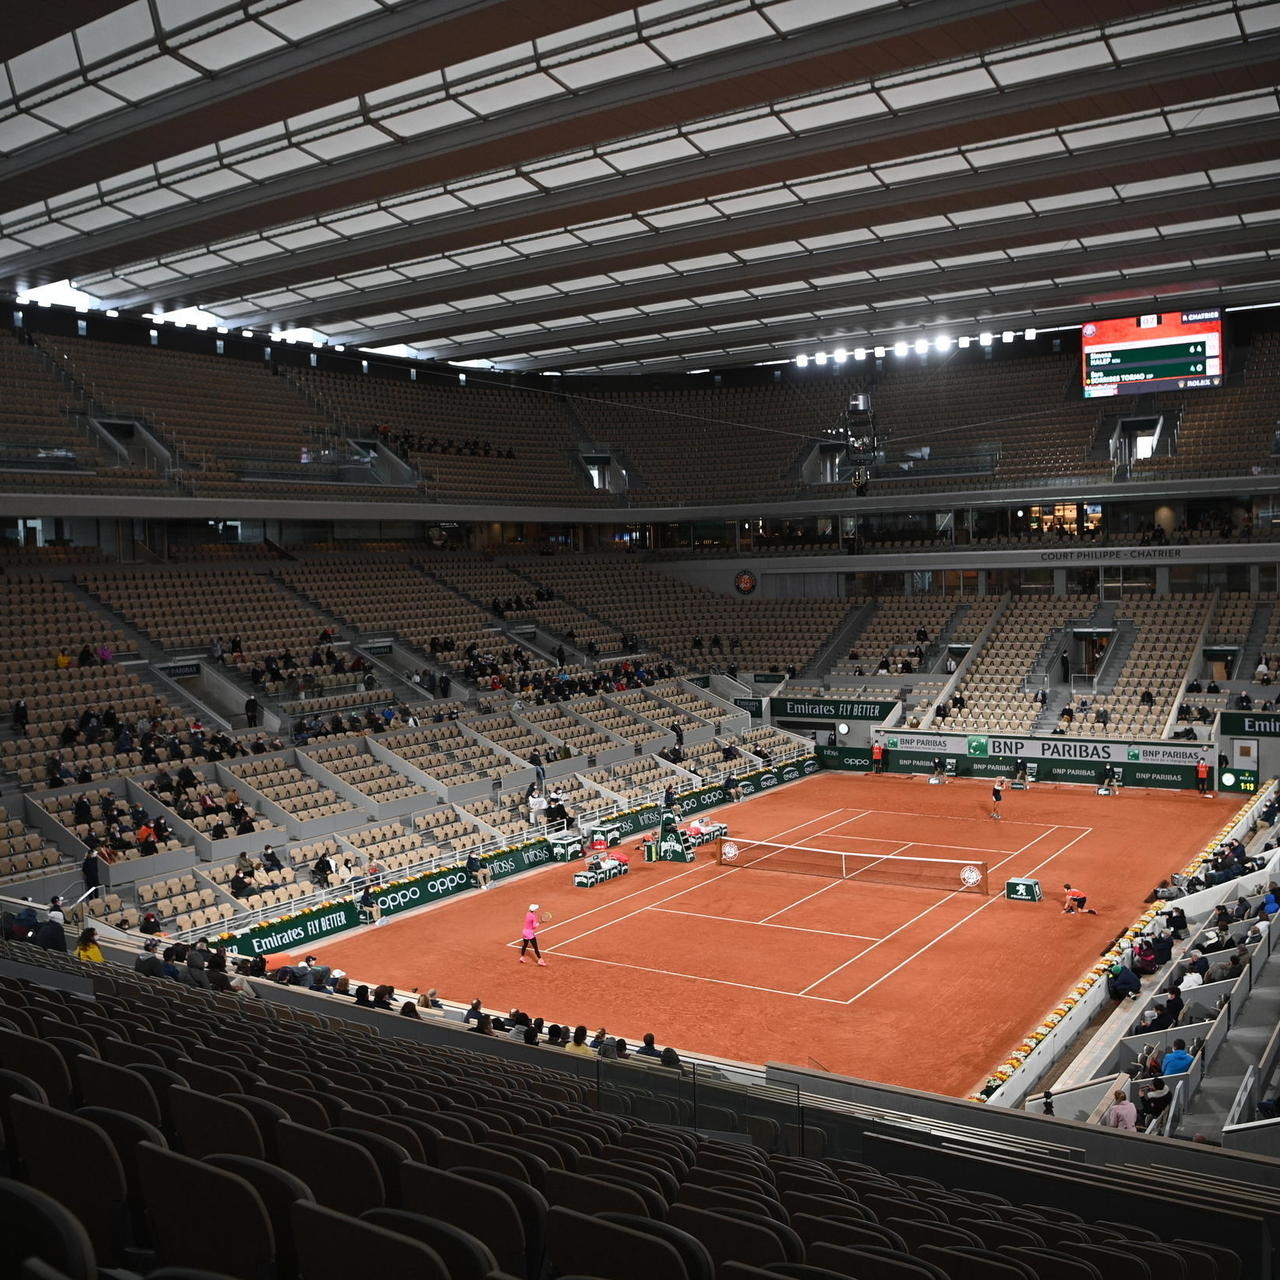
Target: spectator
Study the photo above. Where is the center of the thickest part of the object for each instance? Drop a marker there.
(362, 997)
(50, 934)
(473, 1013)
(90, 870)
(478, 870)
(1154, 1098)
(648, 1049)
(670, 1058)
(149, 961)
(150, 924)
(579, 1043)
(1123, 983)
(87, 947)
(1177, 1060)
(1121, 1114)
(431, 1000)
(409, 1010)
(484, 1026)
(1227, 970)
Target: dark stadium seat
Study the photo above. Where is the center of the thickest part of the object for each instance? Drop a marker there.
(333, 1245)
(37, 1225)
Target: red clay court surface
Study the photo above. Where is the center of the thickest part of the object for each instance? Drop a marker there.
(910, 986)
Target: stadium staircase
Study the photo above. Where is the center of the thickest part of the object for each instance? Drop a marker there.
(840, 643)
(623, 475)
(153, 658)
(1251, 1028)
(1251, 649)
(393, 684)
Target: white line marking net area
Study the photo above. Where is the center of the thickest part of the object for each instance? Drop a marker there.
(1044, 831)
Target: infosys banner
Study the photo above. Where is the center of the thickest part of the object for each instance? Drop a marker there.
(828, 709)
(1138, 764)
(405, 895)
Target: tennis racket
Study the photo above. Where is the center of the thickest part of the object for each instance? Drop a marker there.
(545, 917)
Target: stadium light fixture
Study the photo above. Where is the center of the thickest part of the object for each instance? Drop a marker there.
(943, 342)
(986, 339)
(922, 346)
(1029, 335)
(900, 348)
(22, 300)
(1008, 336)
(246, 333)
(880, 353)
(113, 315)
(820, 358)
(963, 342)
(339, 348)
(802, 361)
(839, 355)
(859, 353)
(222, 328)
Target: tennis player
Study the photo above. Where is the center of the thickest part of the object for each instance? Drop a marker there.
(1076, 901)
(529, 936)
(997, 794)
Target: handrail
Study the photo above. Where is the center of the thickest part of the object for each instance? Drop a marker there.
(1244, 1097)
(258, 915)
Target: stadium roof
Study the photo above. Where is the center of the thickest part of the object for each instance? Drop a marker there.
(590, 185)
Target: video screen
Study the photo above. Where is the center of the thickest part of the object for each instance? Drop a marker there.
(1171, 351)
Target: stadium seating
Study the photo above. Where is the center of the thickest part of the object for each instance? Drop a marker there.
(714, 444)
(529, 425)
(668, 614)
(133, 1116)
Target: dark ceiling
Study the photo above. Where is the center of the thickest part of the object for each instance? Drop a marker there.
(586, 185)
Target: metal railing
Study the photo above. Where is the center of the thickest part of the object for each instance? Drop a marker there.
(246, 920)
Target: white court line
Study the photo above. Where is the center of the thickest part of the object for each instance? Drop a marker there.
(798, 901)
(763, 924)
(920, 844)
(696, 977)
(958, 817)
(683, 889)
(932, 942)
(906, 924)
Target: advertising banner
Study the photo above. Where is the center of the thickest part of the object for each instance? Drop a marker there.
(828, 709)
(1250, 724)
(292, 932)
(978, 755)
(405, 895)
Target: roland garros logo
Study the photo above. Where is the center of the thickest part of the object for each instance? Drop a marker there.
(728, 851)
(970, 876)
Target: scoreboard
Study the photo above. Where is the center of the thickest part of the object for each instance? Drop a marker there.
(1170, 351)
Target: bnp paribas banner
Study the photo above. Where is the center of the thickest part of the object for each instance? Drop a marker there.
(1057, 759)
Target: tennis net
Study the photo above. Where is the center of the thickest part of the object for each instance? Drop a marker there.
(950, 874)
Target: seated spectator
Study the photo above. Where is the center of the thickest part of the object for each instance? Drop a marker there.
(1121, 1114)
(87, 947)
(648, 1049)
(1177, 1060)
(1123, 982)
(1154, 1098)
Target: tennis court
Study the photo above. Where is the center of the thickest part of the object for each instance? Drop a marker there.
(906, 983)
